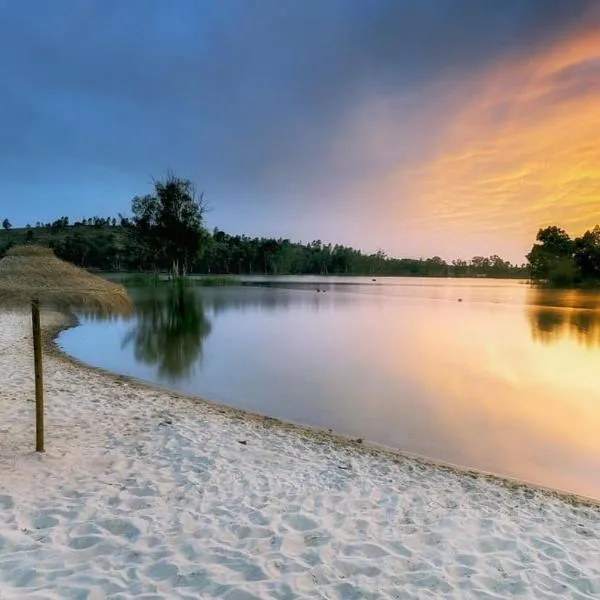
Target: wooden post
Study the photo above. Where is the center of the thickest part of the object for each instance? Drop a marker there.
(39, 378)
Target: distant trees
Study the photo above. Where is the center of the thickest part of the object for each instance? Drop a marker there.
(165, 232)
(564, 262)
(95, 222)
(103, 250)
(6, 225)
(234, 254)
(59, 225)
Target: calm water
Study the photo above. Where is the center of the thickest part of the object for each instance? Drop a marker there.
(506, 380)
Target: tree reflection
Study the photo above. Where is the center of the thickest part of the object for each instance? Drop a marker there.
(574, 314)
(169, 331)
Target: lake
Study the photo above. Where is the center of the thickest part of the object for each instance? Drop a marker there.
(489, 374)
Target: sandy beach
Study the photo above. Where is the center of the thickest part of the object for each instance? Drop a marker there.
(147, 494)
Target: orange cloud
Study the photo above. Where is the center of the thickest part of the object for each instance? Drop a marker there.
(476, 164)
(523, 151)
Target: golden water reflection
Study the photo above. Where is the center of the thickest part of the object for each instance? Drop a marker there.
(510, 404)
(557, 315)
(507, 381)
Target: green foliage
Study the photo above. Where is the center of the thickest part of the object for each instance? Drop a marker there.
(6, 224)
(104, 247)
(564, 262)
(563, 273)
(553, 246)
(167, 226)
(226, 254)
(555, 240)
(586, 255)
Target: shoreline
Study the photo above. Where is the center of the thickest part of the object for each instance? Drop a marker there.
(50, 345)
(145, 493)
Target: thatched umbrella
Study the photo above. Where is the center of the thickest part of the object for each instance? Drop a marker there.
(33, 276)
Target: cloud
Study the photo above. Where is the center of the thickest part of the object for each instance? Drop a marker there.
(278, 108)
(515, 150)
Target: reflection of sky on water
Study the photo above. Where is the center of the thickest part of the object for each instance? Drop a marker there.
(475, 382)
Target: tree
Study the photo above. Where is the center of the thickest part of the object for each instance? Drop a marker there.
(552, 252)
(480, 264)
(460, 267)
(169, 224)
(6, 224)
(586, 254)
(59, 225)
(556, 241)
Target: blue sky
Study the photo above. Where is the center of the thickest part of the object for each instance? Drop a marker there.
(290, 114)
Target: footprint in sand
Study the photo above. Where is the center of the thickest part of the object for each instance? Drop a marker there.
(122, 528)
(244, 532)
(44, 522)
(6, 501)
(84, 541)
(240, 595)
(300, 522)
(24, 576)
(367, 550)
(162, 570)
(257, 518)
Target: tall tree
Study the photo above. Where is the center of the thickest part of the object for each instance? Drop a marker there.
(6, 224)
(552, 253)
(169, 224)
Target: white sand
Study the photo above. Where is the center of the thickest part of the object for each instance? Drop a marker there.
(145, 494)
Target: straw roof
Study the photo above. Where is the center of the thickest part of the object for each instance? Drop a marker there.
(28, 272)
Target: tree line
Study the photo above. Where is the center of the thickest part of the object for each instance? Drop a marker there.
(166, 232)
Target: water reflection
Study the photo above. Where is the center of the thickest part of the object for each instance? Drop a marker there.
(403, 365)
(169, 331)
(263, 299)
(557, 315)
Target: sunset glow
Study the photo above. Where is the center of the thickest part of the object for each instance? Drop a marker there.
(521, 152)
(449, 128)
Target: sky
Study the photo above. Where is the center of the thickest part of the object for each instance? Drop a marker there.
(421, 127)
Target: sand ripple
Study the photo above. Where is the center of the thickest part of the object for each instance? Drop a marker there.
(144, 494)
